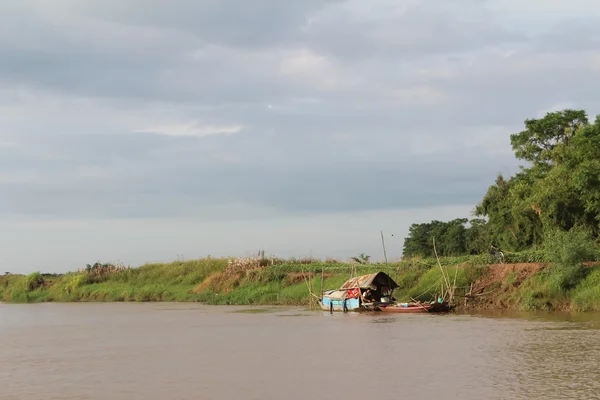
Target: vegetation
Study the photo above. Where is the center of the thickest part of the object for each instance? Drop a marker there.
(549, 210)
(545, 219)
(559, 188)
(452, 238)
(273, 281)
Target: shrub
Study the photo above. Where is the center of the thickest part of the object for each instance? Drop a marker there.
(34, 281)
(569, 248)
(74, 281)
(565, 277)
(101, 272)
(527, 256)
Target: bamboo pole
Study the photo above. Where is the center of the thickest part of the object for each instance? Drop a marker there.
(454, 284)
(383, 244)
(446, 280)
(310, 291)
(322, 283)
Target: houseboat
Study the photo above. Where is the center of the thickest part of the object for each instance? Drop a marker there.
(361, 293)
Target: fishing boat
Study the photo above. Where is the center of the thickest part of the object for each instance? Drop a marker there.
(351, 295)
(417, 307)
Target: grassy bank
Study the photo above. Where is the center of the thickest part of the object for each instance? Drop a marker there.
(526, 281)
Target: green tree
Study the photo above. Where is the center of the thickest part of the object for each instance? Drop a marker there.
(582, 165)
(549, 192)
(543, 139)
(478, 236)
(450, 239)
(513, 221)
(418, 241)
(558, 188)
(453, 239)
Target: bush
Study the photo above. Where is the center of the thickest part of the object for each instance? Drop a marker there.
(34, 281)
(587, 295)
(99, 272)
(565, 277)
(74, 281)
(527, 256)
(569, 248)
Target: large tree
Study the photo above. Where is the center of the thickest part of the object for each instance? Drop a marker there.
(450, 239)
(559, 187)
(513, 222)
(478, 236)
(543, 141)
(582, 167)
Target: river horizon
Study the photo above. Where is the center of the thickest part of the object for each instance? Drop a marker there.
(195, 351)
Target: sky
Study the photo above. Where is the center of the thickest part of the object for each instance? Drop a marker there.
(143, 130)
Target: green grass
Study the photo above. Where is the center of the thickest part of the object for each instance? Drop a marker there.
(280, 283)
(556, 288)
(586, 296)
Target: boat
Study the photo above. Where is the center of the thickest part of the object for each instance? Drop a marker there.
(417, 307)
(349, 297)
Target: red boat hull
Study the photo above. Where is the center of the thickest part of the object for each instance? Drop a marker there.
(418, 308)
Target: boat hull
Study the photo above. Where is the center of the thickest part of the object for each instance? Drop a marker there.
(417, 308)
(328, 304)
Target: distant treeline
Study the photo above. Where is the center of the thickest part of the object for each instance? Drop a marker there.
(452, 238)
(558, 189)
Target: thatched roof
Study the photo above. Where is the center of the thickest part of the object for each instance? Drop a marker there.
(377, 279)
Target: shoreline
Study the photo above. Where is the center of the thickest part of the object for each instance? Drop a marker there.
(532, 316)
(515, 286)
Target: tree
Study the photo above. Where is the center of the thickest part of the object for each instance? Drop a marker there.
(558, 189)
(450, 239)
(513, 220)
(547, 193)
(418, 241)
(565, 190)
(542, 141)
(478, 236)
(582, 166)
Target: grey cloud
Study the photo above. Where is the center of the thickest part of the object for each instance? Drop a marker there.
(305, 146)
(571, 35)
(220, 74)
(409, 36)
(78, 163)
(219, 77)
(181, 193)
(91, 74)
(239, 23)
(150, 176)
(420, 30)
(105, 68)
(513, 88)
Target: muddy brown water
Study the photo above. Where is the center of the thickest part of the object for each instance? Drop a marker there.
(187, 351)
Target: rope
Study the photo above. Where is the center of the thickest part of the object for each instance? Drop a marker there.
(429, 288)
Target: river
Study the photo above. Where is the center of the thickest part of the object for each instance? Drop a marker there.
(187, 351)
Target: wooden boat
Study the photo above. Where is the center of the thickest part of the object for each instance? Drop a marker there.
(349, 297)
(408, 308)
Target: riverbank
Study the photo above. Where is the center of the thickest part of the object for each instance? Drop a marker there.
(524, 282)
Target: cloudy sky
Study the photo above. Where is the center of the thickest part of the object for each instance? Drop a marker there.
(146, 130)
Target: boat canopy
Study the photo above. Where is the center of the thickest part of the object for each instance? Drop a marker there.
(377, 279)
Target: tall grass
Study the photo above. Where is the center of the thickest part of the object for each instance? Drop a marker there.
(562, 283)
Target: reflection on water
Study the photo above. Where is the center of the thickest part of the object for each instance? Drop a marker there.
(182, 351)
(540, 316)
